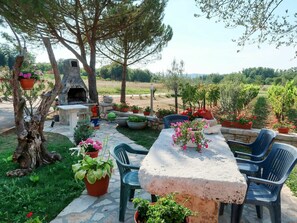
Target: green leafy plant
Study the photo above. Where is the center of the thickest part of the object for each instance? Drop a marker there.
(163, 112)
(283, 124)
(147, 109)
(123, 105)
(136, 118)
(166, 209)
(94, 168)
(82, 131)
(134, 107)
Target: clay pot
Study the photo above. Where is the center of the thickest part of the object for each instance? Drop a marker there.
(238, 125)
(124, 109)
(284, 130)
(135, 111)
(93, 154)
(146, 113)
(99, 187)
(27, 84)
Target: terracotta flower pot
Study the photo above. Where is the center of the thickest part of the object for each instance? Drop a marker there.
(93, 154)
(284, 130)
(99, 188)
(146, 113)
(230, 124)
(27, 84)
(124, 109)
(135, 111)
(226, 123)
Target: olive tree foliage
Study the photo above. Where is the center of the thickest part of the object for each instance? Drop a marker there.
(140, 41)
(262, 20)
(174, 78)
(77, 24)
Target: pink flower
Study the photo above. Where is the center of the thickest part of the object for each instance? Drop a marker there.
(89, 140)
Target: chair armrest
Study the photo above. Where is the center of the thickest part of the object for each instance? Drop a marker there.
(136, 151)
(130, 166)
(263, 181)
(240, 160)
(236, 153)
(229, 142)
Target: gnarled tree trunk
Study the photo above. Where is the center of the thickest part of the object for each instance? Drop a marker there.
(31, 152)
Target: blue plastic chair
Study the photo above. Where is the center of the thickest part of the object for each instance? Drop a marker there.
(266, 189)
(129, 178)
(258, 150)
(168, 119)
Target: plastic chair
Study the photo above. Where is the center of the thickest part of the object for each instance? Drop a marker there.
(168, 119)
(129, 178)
(258, 150)
(266, 190)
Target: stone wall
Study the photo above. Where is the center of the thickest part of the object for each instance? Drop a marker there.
(249, 135)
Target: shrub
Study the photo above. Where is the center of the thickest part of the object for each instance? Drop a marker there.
(82, 131)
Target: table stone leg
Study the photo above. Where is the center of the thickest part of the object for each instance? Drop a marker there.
(72, 119)
(208, 210)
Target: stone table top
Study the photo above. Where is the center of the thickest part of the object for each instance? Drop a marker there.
(212, 174)
(72, 107)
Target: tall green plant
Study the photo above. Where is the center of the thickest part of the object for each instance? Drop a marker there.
(282, 99)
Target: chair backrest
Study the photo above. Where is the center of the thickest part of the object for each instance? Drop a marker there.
(278, 164)
(262, 143)
(174, 118)
(120, 154)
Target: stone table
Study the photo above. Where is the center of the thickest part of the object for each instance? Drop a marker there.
(207, 178)
(71, 111)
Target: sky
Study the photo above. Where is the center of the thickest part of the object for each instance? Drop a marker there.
(205, 46)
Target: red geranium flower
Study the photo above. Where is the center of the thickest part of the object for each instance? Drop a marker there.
(29, 215)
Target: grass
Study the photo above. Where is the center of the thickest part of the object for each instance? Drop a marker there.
(145, 137)
(45, 192)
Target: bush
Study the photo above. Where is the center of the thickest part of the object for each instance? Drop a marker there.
(82, 131)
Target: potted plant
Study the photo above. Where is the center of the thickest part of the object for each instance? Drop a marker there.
(135, 108)
(90, 147)
(147, 111)
(116, 107)
(190, 134)
(283, 126)
(27, 79)
(242, 121)
(124, 107)
(82, 131)
(136, 122)
(162, 112)
(95, 172)
(166, 209)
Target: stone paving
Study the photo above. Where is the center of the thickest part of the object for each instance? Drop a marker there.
(104, 209)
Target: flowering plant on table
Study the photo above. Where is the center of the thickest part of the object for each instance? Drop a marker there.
(190, 131)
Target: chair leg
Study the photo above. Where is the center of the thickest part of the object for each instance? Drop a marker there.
(132, 192)
(275, 213)
(124, 194)
(236, 212)
(259, 210)
(153, 198)
(222, 207)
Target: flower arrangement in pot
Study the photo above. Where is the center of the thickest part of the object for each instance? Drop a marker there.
(166, 209)
(190, 134)
(90, 147)
(147, 111)
(95, 172)
(135, 108)
(241, 121)
(283, 126)
(27, 79)
(124, 107)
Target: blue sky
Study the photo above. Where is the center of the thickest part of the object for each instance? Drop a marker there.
(205, 46)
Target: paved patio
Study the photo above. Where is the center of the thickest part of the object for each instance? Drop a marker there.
(104, 209)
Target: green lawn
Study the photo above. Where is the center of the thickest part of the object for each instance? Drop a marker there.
(48, 195)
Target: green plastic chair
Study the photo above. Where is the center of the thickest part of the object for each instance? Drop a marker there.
(259, 149)
(128, 174)
(173, 119)
(266, 189)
